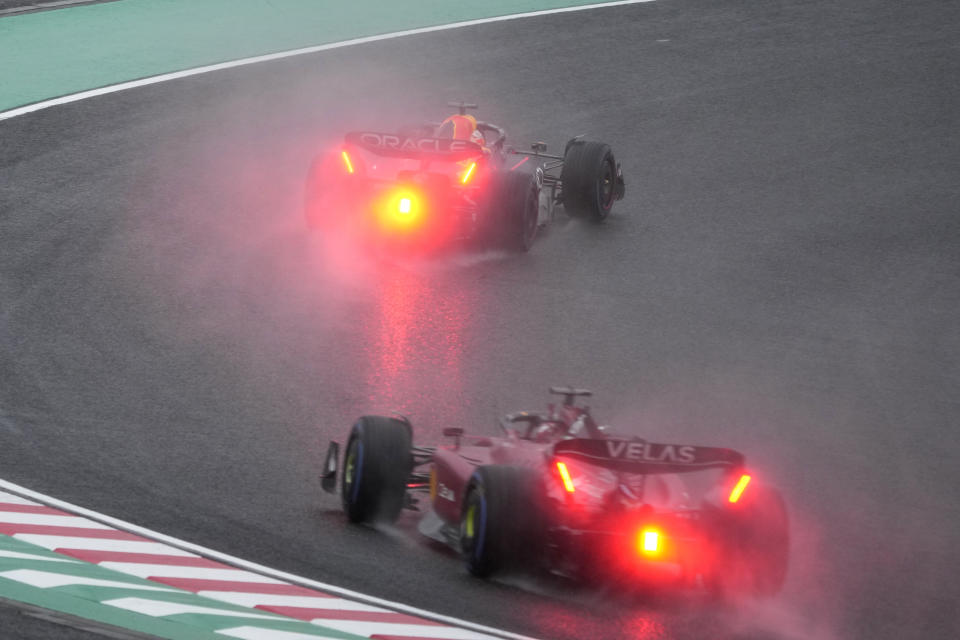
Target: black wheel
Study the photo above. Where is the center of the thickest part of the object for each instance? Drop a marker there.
(589, 180)
(376, 466)
(501, 520)
(756, 546)
(512, 207)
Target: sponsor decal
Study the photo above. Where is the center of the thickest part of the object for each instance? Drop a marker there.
(632, 454)
(392, 142)
(645, 452)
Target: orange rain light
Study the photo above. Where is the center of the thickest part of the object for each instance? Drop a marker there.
(346, 160)
(738, 488)
(648, 542)
(469, 172)
(565, 476)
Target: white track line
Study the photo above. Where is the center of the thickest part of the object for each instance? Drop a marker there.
(32, 556)
(274, 600)
(162, 608)
(44, 6)
(99, 544)
(250, 566)
(16, 517)
(9, 498)
(93, 93)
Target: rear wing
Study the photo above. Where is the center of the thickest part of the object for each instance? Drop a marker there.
(640, 456)
(392, 144)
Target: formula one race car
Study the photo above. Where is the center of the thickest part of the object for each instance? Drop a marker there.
(432, 183)
(559, 492)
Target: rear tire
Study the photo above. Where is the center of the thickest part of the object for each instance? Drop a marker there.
(512, 209)
(501, 520)
(589, 179)
(376, 466)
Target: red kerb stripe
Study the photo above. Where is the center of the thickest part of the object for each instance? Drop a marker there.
(306, 613)
(10, 529)
(30, 508)
(196, 585)
(97, 557)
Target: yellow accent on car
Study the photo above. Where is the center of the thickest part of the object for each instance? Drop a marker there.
(468, 526)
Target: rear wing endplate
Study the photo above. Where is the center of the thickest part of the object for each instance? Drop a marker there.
(640, 456)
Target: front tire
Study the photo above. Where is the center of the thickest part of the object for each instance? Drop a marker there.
(377, 464)
(590, 180)
(501, 520)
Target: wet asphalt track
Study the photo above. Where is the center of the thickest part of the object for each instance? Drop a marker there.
(783, 279)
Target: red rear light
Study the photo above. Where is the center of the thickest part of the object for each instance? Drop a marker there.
(739, 488)
(648, 542)
(400, 211)
(346, 161)
(565, 477)
(468, 173)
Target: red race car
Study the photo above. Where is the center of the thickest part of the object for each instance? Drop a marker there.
(559, 492)
(457, 180)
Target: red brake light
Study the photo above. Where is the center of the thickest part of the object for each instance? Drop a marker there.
(469, 172)
(565, 477)
(400, 211)
(648, 542)
(346, 160)
(738, 488)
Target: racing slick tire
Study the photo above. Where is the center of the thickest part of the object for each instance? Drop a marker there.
(590, 180)
(376, 467)
(512, 210)
(501, 520)
(756, 547)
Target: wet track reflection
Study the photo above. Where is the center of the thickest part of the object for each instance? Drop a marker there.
(416, 349)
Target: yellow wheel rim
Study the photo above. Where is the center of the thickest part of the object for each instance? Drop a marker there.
(468, 526)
